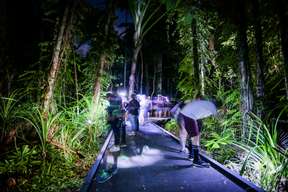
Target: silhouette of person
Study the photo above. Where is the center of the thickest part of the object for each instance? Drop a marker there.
(133, 112)
(115, 119)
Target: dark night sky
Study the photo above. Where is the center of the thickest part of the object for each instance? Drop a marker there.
(122, 16)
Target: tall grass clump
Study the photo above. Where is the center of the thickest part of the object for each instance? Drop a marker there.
(8, 111)
(262, 160)
(81, 126)
(44, 125)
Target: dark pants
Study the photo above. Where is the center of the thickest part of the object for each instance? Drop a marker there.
(134, 122)
(119, 129)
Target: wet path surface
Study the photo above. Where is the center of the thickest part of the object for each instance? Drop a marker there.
(152, 162)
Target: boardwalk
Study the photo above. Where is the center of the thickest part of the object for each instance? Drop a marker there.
(152, 162)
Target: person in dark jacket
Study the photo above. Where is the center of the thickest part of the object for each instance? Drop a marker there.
(115, 119)
(133, 113)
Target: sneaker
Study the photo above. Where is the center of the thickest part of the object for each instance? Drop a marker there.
(201, 163)
(115, 148)
(103, 176)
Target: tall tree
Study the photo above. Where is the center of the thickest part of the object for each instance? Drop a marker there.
(159, 70)
(104, 55)
(142, 72)
(138, 12)
(195, 52)
(260, 64)
(283, 16)
(144, 18)
(56, 61)
(246, 93)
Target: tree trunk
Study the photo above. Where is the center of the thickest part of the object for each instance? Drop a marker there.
(259, 60)
(284, 40)
(202, 77)
(195, 52)
(159, 74)
(137, 46)
(142, 73)
(97, 86)
(103, 59)
(246, 94)
(154, 81)
(133, 70)
(56, 63)
(146, 70)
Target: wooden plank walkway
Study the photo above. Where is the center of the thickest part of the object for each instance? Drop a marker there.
(152, 162)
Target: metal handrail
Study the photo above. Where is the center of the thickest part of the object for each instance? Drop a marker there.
(89, 177)
(236, 178)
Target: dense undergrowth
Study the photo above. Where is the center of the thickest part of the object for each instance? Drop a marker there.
(48, 152)
(259, 156)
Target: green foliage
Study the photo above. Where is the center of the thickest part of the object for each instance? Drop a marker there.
(172, 126)
(218, 141)
(53, 163)
(81, 126)
(218, 133)
(22, 161)
(55, 176)
(33, 174)
(9, 110)
(44, 124)
(264, 161)
(219, 145)
(205, 28)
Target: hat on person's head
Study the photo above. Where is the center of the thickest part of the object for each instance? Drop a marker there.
(133, 95)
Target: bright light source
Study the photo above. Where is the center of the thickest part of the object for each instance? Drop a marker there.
(122, 93)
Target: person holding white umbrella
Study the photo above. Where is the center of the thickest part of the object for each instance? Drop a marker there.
(190, 118)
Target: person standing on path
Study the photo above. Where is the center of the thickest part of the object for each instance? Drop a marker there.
(115, 119)
(133, 112)
(145, 104)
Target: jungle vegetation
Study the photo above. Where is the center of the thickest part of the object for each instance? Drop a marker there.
(58, 58)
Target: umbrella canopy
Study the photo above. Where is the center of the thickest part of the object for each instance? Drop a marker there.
(199, 109)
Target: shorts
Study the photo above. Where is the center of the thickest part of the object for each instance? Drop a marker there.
(190, 125)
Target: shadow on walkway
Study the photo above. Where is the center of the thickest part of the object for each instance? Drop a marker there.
(152, 162)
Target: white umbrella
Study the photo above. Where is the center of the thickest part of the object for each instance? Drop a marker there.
(199, 109)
